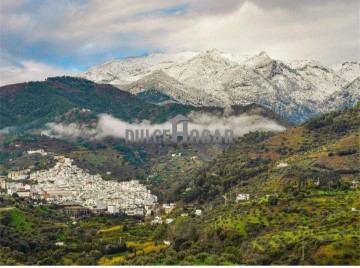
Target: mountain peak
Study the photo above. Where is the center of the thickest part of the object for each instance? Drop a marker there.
(260, 59)
(263, 54)
(214, 51)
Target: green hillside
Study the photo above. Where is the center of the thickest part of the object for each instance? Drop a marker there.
(307, 147)
(31, 105)
(303, 208)
(68, 99)
(26, 108)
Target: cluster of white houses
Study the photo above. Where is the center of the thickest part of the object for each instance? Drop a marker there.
(67, 183)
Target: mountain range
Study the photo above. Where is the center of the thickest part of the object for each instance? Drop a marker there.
(301, 185)
(296, 90)
(273, 197)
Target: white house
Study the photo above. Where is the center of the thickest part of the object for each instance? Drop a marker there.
(354, 184)
(18, 175)
(168, 221)
(2, 184)
(157, 220)
(168, 207)
(242, 197)
(23, 193)
(100, 204)
(281, 165)
(40, 151)
(112, 209)
(198, 212)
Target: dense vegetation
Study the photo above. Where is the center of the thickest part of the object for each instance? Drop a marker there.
(153, 96)
(267, 230)
(305, 211)
(68, 99)
(33, 104)
(255, 155)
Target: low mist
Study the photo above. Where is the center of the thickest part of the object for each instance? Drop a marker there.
(109, 126)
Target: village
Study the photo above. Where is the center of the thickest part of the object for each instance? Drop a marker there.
(80, 193)
(68, 185)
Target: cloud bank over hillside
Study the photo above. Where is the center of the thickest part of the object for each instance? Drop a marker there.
(109, 126)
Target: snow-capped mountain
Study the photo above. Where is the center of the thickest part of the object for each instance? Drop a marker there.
(296, 90)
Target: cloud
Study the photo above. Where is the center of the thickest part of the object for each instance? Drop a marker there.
(109, 126)
(30, 71)
(80, 34)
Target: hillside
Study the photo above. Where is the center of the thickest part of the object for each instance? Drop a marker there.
(303, 208)
(68, 99)
(311, 147)
(296, 90)
(31, 105)
(74, 105)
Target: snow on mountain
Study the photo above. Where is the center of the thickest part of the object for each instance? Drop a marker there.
(131, 69)
(296, 90)
(347, 96)
(347, 70)
(162, 82)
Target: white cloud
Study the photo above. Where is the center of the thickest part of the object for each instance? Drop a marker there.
(30, 71)
(109, 126)
(332, 38)
(92, 32)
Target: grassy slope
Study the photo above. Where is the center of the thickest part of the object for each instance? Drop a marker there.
(264, 230)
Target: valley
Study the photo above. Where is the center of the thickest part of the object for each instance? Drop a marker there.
(270, 198)
(179, 133)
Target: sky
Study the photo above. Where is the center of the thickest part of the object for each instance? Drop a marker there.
(42, 38)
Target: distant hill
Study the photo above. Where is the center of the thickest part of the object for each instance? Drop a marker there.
(33, 104)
